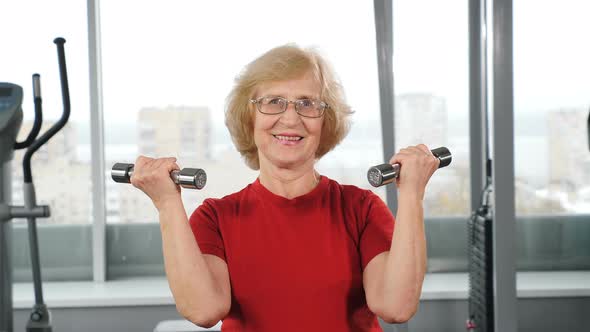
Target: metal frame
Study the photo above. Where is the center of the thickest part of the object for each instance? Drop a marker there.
(6, 309)
(384, 36)
(97, 142)
(503, 132)
(499, 75)
(505, 319)
(478, 133)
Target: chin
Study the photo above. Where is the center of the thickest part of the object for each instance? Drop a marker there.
(286, 163)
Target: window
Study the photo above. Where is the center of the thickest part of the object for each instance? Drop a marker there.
(61, 168)
(551, 144)
(176, 63)
(431, 64)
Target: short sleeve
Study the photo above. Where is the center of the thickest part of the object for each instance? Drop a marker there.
(204, 223)
(378, 225)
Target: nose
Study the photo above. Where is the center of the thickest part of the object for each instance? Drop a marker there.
(290, 115)
(291, 104)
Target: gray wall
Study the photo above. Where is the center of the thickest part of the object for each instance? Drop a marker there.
(538, 315)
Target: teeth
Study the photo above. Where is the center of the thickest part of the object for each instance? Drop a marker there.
(288, 138)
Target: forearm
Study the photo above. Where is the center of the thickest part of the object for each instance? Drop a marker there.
(191, 282)
(406, 261)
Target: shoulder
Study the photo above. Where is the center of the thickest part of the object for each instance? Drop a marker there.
(354, 196)
(351, 192)
(360, 207)
(214, 207)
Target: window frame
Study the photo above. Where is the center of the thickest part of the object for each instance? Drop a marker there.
(384, 28)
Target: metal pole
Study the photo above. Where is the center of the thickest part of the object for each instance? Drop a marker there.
(384, 34)
(97, 143)
(478, 133)
(504, 231)
(6, 311)
(30, 203)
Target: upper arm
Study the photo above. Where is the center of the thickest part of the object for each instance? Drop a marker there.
(373, 282)
(376, 223)
(220, 274)
(205, 226)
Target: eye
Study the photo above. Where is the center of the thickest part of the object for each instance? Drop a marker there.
(273, 100)
(306, 103)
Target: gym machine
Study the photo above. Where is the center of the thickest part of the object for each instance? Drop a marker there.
(11, 116)
(481, 263)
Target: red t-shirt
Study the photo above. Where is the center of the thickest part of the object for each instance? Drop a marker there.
(296, 264)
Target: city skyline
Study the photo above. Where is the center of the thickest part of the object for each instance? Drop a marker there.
(180, 62)
(66, 160)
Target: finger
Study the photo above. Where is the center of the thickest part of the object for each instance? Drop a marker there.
(431, 157)
(141, 161)
(416, 151)
(411, 153)
(172, 166)
(163, 163)
(424, 148)
(415, 154)
(157, 163)
(401, 154)
(165, 166)
(400, 157)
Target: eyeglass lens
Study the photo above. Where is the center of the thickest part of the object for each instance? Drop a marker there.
(305, 107)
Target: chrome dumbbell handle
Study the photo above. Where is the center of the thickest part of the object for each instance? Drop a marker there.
(191, 178)
(383, 174)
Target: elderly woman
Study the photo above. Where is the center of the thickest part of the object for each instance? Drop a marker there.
(294, 250)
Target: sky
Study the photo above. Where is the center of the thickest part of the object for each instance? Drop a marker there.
(159, 53)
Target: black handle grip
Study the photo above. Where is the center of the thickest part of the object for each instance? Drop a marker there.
(191, 178)
(386, 173)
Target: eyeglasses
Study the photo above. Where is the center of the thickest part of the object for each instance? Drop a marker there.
(309, 108)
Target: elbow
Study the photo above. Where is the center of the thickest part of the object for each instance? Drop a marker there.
(397, 317)
(202, 318)
(204, 323)
(396, 312)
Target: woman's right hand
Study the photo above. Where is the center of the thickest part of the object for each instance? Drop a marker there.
(152, 176)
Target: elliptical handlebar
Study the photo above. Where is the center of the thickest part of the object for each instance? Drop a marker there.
(63, 74)
(38, 115)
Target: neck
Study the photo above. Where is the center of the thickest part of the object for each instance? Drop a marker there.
(289, 183)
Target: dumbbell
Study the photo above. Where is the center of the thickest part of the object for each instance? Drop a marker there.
(191, 178)
(383, 174)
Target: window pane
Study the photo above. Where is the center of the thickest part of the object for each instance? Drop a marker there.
(552, 160)
(431, 72)
(166, 77)
(61, 168)
(431, 94)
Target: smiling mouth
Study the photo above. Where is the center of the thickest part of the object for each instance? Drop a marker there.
(288, 138)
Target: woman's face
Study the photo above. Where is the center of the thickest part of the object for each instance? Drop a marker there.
(287, 140)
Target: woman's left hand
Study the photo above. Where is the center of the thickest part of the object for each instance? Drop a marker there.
(417, 166)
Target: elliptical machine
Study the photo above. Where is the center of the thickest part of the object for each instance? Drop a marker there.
(11, 117)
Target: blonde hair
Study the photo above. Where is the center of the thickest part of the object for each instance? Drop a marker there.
(284, 63)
